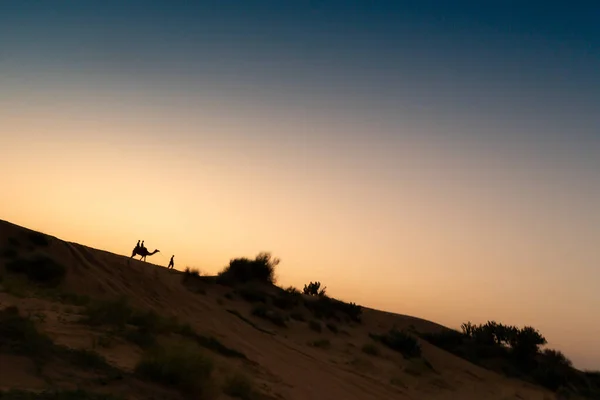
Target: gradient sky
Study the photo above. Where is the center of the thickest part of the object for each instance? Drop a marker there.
(437, 159)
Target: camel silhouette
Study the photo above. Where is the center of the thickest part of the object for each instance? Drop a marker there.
(142, 251)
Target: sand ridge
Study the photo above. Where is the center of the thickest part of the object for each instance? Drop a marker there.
(281, 361)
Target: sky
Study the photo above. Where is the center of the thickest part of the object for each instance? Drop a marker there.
(436, 159)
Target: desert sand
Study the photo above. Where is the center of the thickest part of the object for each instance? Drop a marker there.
(280, 361)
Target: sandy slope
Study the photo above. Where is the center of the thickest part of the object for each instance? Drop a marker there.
(282, 363)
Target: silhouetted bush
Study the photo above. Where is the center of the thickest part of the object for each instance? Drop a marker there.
(553, 370)
(38, 268)
(190, 273)
(515, 352)
(180, 366)
(241, 270)
(400, 341)
(287, 299)
(326, 307)
(525, 344)
(314, 289)
(265, 312)
(446, 339)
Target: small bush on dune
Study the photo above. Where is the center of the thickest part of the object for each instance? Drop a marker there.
(287, 299)
(180, 366)
(314, 289)
(241, 270)
(446, 339)
(515, 352)
(39, 268)
(553, 370)
(400, 341)
(190, 273)
(328, 308)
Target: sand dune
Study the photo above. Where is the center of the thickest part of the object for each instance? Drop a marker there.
(279, 360)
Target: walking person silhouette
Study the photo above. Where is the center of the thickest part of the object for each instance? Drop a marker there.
(171, 263)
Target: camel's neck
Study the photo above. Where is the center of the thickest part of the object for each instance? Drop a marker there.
(154, 252)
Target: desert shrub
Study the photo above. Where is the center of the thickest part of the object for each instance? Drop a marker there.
(287, 299)
(293, 291)
(19, 335)
(400, 341)
(447, 339)
(268, 314)
(525, 344)
(515, 352)
(320, 343)
(15, 394)
(38, 239)
(553, 370)
(241, 270)
(190, 273)
(371, 349)
(39, 268)
(314, 289)
(315, 326)
(328, 308)
(240, 386)
(181, 366)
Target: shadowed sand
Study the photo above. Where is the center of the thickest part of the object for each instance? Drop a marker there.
(281, 361)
